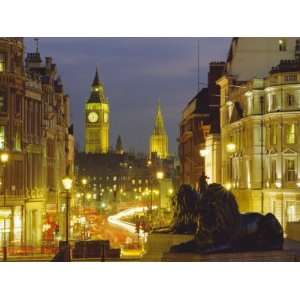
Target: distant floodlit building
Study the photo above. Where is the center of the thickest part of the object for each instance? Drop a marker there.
(260, 127)
(159, 137)
(97, 119)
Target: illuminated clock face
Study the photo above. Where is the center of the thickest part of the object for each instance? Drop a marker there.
(105, 117)
(93, 117)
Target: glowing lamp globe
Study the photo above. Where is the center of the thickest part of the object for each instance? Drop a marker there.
(231, 148)
(160, 175)
(67, 183)
(4, 157)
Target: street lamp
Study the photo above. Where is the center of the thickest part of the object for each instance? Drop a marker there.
(203, 152)
(4, 158)
(67, 183)
(84, 182)
(159, 176)
(170, 191)
(231, 147)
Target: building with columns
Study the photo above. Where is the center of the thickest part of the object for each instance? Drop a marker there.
(260, 123)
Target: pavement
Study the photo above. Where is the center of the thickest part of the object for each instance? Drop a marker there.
(288, 245)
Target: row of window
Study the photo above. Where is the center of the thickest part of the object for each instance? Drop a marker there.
(239, 170)
(290, 171)
(17, 145)
(289, 134)
(2, 62)
(289, 102)
(251, 136)
(17, 104)
(16, 63)
(256, 105)
(121, 178)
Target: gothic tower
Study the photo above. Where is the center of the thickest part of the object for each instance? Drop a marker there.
(119, 146)
(159, 137)
(97, 119)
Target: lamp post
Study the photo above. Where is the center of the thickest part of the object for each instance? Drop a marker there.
(4, 157)
(67, 183)
(84, 183)
(159, 176)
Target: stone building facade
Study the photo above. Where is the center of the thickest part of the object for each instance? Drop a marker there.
(199, 141)
(260, 123)
(57, 144)
(12, 90)
(34, 130)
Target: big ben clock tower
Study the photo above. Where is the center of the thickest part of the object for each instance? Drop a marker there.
(97, 119)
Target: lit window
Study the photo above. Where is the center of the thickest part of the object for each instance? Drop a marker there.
(273, 171)
(274, 102)
(282, 45)
(18, 140)
(2, 62)
(291, 212)
(2, 137)
(290, 77)
(273, 135)
(290, 134)
(2, 103)
(290, 170)
(290, 99)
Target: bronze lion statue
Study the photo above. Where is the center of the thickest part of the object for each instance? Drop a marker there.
(214, 217)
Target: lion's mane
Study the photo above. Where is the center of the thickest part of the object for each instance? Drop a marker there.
(218, 214)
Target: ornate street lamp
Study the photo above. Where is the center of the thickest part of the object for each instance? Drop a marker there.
(203, 152)
(160, 175)
(84, 182)
(4, 158)
(231, 147)
(67, 183)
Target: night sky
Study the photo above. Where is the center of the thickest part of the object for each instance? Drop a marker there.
(135, 73)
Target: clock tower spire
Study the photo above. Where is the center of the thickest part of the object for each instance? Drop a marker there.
(159, 137)
(97, 119)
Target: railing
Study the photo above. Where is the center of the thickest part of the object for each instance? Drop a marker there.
(30, 251)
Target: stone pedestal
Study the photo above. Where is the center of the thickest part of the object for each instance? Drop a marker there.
(293, 230)
(158, 246)
(267, 256)
(160, 243)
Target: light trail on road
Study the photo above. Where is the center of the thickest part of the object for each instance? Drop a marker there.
(117, 219)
